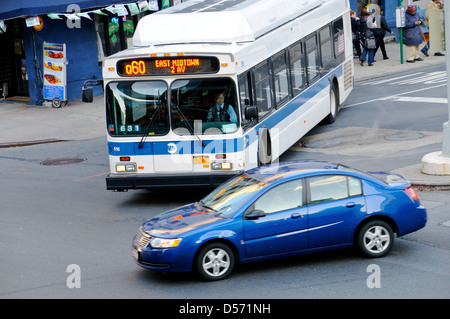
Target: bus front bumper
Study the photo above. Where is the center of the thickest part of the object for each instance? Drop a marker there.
(145, 181)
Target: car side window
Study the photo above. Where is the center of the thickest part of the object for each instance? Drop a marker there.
(286, 196)
(333, 187)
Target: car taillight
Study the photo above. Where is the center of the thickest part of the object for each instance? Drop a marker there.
(411, 193)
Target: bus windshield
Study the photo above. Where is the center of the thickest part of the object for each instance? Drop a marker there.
(197, 106)
(204, 106)
(137, 108)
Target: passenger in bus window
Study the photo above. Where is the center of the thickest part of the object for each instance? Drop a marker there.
(220, 113)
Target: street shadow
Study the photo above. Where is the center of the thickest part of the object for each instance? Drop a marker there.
(173, 196)
(258, 269)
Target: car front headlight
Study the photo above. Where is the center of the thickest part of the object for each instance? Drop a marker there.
(164, 242)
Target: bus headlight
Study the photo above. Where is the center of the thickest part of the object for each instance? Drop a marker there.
(126, 168)
(218, 166)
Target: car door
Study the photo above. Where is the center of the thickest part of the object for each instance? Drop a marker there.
(335, 203)
(283, 227)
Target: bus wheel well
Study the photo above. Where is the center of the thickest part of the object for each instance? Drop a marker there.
(383, 218)
(264, 147)
(336, 91)
(334, 102)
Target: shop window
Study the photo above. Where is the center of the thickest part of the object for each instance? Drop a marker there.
(115, 33)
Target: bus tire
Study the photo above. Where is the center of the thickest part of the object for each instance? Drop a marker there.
(264, 147)
(334, 106)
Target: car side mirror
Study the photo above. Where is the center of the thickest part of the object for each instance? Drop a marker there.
(251, 112)
(255, 214)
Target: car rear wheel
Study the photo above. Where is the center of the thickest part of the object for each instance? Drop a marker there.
(375, 239)
(215, 261)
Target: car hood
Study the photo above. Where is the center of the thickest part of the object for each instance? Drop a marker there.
(179, 221)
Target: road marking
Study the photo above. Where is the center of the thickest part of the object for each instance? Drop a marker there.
(416, 99)
(89, 177)
(393, 96)
(415, 78)
(385, 80)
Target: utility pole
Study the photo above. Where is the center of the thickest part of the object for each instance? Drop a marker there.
(438, 163)
(446, 126)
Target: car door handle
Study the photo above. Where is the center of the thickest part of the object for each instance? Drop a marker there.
(295, 215)
(351, 204)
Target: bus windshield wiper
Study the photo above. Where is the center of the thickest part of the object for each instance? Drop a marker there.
(186, 120)
(150, 125)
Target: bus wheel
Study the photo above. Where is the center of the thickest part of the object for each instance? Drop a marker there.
(331, 118)
(264, 147)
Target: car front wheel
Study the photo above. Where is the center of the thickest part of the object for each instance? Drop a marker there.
(375, 239)
(215, 261)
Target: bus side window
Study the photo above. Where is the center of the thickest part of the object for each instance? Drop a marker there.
(281, 77)
(312, 57)
(326, 48)
(338, 37)
(263, 89)
(297, 66)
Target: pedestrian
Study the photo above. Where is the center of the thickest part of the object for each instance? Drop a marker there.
(366, 26)
(412, 35)
(355, 33)
(434, 5)
(380, 33)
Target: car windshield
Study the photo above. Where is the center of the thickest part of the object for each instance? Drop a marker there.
(137, 108)
(204, 106)
(229, 197)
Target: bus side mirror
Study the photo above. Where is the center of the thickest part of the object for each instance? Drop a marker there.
(88, 94)
(251, 112)
(88, 90)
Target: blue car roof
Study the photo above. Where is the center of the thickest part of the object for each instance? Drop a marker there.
(272, 173)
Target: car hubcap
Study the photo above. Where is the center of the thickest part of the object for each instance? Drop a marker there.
(376, 239)
(216, 262)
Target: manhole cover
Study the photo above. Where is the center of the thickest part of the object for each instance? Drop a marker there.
(321, 144)
(404, 137)
(63, 161)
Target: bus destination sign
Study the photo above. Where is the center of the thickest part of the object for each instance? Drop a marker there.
(168, 66)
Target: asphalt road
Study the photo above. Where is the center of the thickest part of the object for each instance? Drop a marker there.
(58, 221)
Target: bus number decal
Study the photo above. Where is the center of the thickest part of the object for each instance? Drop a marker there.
(135, 68)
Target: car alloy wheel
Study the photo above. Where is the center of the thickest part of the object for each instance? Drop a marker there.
(215, 261)
(376, 239)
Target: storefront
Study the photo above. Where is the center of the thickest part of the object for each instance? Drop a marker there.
(88, 30)
(389, 8)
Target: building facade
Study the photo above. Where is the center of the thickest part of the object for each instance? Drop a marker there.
(89, 29)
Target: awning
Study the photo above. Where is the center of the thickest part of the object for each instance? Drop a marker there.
(10, 9)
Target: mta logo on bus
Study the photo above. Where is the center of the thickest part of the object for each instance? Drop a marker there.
(171, 148)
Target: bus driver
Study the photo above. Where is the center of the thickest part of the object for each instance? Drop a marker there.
(218, 114)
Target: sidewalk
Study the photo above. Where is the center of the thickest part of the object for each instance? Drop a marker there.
(24, 124)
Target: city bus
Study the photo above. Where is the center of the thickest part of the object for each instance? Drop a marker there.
(212, 88)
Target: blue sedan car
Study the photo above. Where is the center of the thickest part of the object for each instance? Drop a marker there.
(281, 210)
